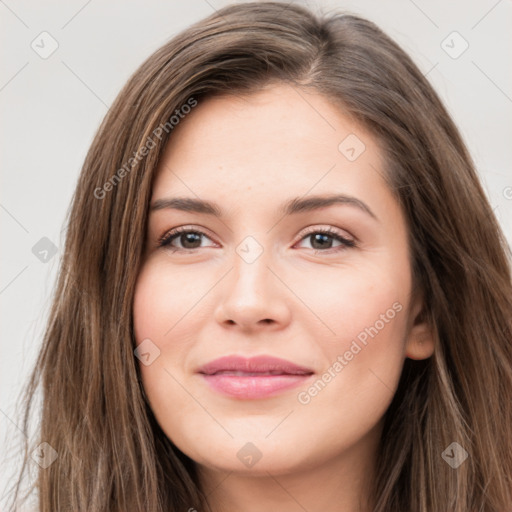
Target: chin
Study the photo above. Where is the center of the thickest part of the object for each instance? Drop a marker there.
(257, 457)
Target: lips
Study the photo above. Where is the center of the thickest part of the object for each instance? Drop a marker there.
(255, 377)
(255, 365)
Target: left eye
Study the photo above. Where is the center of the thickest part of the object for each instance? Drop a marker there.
(321, 239)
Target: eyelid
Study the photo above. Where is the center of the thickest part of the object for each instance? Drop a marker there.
(331, 230)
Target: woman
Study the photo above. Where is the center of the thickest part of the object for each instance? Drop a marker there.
(336, 336)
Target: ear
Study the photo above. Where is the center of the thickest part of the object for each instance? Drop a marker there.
(420, 339)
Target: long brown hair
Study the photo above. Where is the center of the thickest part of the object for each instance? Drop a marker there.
(112, 455)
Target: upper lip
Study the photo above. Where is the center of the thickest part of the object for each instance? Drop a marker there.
(257, 364)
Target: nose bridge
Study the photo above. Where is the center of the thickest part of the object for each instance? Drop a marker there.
(251, 275)
(251, 294)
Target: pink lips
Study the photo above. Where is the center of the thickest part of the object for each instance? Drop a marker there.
(256, 377)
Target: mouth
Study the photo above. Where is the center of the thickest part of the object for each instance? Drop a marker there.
(253, 378)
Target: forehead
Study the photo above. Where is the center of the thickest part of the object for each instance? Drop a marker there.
(279, 142)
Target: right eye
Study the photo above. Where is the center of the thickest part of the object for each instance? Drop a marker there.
(187, 237)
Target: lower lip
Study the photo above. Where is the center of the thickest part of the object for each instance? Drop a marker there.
(253, 387)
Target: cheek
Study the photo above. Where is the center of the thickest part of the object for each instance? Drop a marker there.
(166, 310)
(353, 301)
(365, 348)
(158, 315)
(161, 302)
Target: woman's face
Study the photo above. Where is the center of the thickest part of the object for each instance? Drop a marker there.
(255, 277)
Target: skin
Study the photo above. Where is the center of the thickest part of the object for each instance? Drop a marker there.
(298, 301)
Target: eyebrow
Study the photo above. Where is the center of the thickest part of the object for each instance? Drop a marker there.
(290, 207)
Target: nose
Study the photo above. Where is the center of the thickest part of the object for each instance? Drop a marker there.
(253, 296)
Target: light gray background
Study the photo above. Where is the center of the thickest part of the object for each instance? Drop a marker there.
(51, 108)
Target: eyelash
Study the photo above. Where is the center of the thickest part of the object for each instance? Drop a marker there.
(168, 237)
